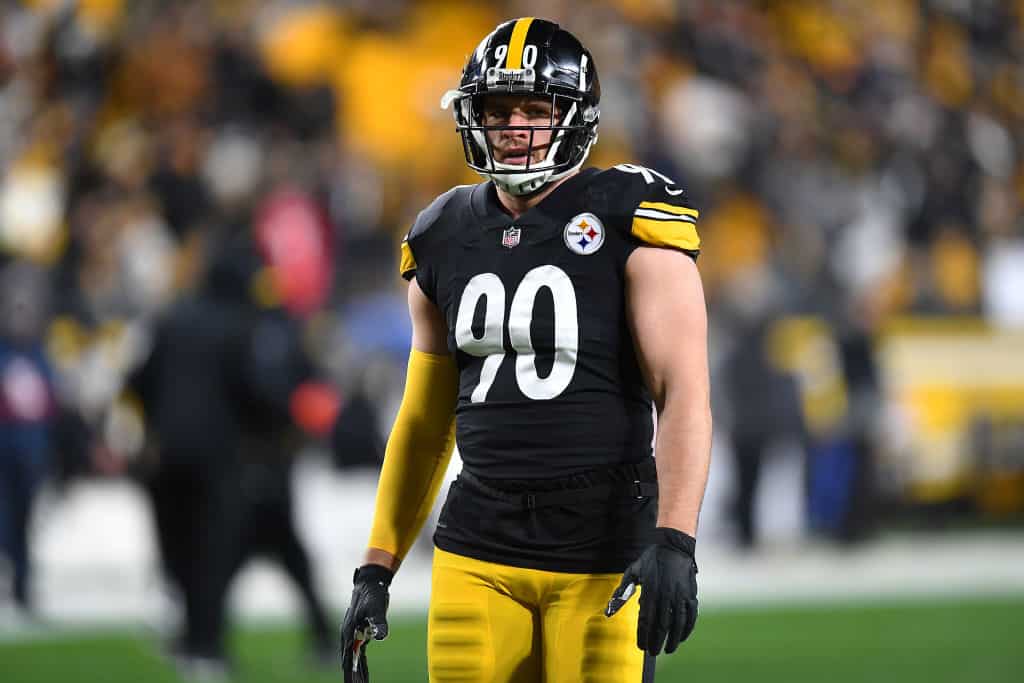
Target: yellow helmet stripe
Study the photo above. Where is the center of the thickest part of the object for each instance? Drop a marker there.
(517, 42)
(669, 208)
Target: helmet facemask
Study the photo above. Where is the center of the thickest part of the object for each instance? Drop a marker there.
(573, 129)
(533, 59)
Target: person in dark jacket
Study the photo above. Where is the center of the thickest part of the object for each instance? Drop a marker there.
(217, 393)
(28, 411)
(765, 404)
(191, 390)
(276, 368)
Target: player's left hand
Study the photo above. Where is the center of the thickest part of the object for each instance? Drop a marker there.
(668, 602)
(365, 620)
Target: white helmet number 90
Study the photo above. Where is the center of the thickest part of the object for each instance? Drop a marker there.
(529, 56)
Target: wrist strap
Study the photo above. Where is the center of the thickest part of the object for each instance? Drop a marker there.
(676, 539)
(373, 573)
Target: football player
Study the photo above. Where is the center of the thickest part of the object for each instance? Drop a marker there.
(552, 307)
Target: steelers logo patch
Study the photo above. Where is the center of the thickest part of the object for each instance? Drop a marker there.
(584, 234)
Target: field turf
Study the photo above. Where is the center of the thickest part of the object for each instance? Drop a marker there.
(955, 641)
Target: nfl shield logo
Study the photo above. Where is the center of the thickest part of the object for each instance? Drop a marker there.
(510, 237)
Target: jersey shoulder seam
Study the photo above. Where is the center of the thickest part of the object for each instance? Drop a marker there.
(429, 216)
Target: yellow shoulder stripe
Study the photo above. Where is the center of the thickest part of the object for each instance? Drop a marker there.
(517, 42)
(677, 234)
(408, 262)
(669, 208)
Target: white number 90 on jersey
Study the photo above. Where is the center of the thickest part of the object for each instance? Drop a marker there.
(490, 345)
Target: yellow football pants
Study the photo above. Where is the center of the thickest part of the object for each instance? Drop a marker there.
(491, 623)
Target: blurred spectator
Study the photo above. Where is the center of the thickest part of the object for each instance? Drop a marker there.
(281, 395)
(862, 425)
(191, 389)
(762, 396)
(832, 359)
(28, 411)
(226, 385)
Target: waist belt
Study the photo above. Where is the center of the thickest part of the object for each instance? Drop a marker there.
(532, 500)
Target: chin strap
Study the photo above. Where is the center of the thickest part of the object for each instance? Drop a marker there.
(524, 189)
(522, 195)
(531, 186)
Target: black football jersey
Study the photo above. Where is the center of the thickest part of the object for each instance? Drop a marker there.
(549, 380)
(550, 392)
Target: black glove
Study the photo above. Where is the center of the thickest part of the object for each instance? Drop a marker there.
(365, 619)
(668, 602)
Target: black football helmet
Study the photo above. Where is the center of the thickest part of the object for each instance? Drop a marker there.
(537, 57)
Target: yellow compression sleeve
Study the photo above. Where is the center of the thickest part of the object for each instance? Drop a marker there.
(417, 453)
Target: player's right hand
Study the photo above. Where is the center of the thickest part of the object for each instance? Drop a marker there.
(365, 619)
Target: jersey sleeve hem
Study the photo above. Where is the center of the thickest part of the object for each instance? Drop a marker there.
(660, 224)
(407, 261)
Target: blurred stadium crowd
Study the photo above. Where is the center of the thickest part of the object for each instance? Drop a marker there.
(854, 162)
